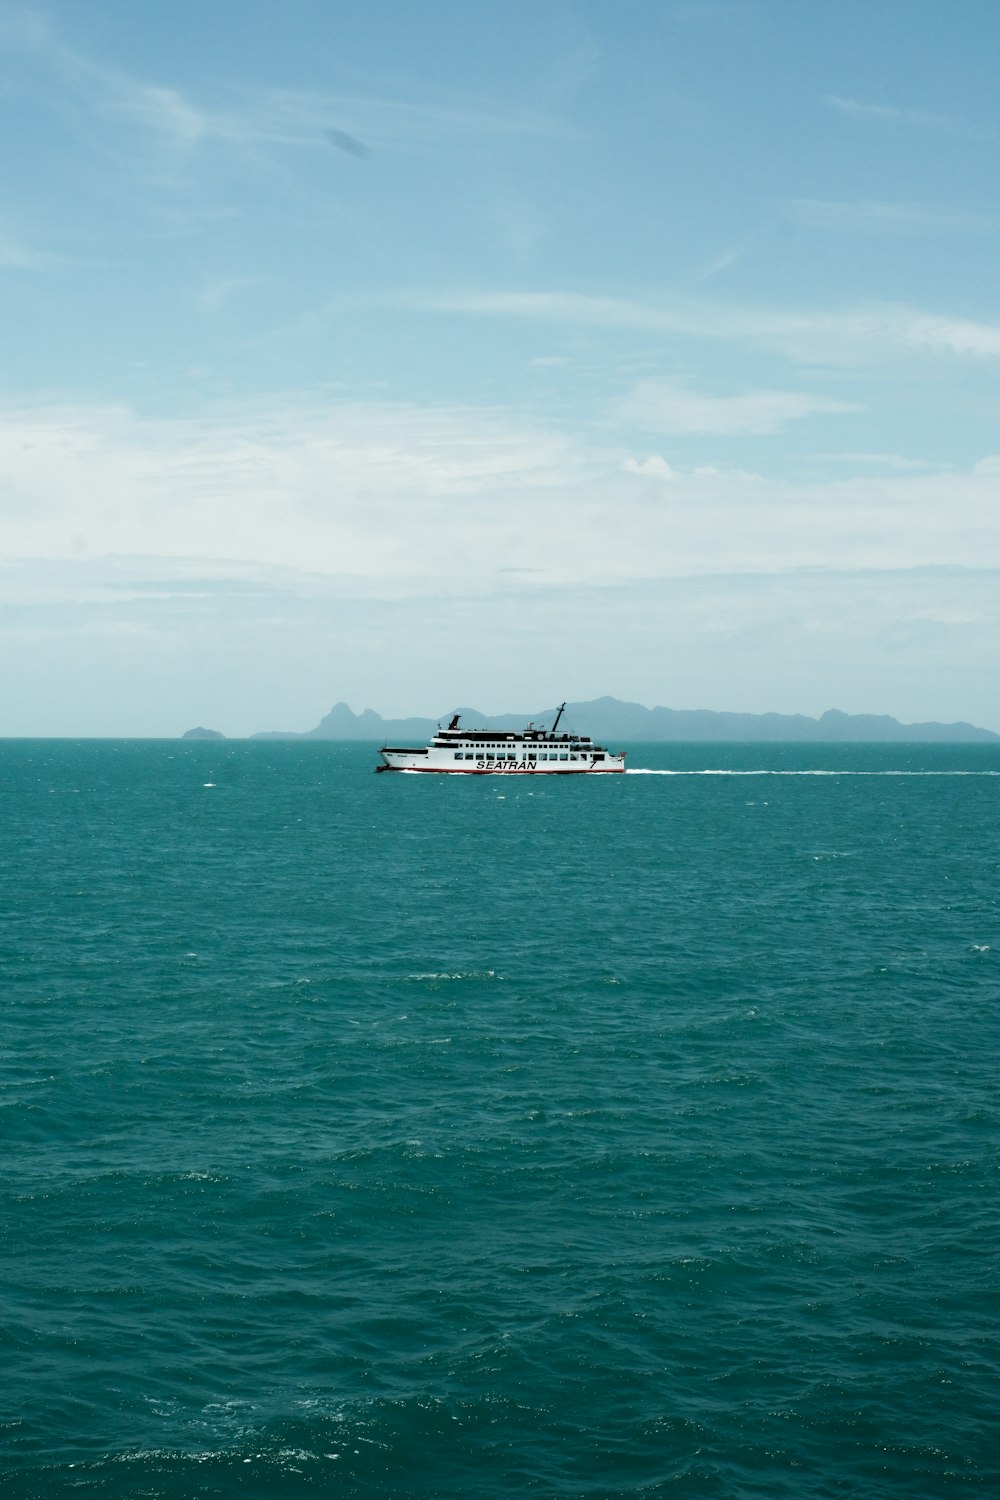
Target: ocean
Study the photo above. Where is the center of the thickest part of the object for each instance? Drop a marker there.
(391, 1136)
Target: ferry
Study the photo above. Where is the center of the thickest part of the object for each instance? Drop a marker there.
(490, 752)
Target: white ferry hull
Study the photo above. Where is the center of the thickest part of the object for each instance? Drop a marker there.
(613, 765)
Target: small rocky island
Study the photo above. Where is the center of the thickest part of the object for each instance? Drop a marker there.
(201, 733)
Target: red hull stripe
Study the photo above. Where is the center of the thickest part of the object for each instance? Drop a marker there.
(447, 771)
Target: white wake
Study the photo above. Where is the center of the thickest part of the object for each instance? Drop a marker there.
(643, 771)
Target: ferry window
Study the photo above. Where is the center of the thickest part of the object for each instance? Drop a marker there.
(598, 757)
(574, 757)
(532, 755)
(564, 756)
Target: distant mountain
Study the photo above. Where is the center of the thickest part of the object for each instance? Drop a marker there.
(202, 734)
(609, 719)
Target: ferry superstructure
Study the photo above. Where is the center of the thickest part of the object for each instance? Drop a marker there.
(490, 752)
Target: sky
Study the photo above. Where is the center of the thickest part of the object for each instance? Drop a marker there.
(438, 354)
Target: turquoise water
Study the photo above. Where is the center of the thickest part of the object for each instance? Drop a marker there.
(437, 1136)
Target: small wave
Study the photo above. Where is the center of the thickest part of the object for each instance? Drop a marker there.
(465, 974)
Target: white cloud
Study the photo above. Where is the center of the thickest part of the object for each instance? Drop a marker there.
(939, 333)
(574, 71)
(218, 291)
(875, 460)
(163, 111)
(394, 500)
(720, 263)
(22, 28)
(659, 405)
(556, 307)
(135, 646)
(247, 567)
(877, 214)
(653, 467)
(15, 255)
(249, 118)
(892, 113)
(301, 118)
(876, 331)
(361, 491)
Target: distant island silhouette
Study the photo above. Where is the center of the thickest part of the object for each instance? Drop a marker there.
(201, 733)
(610, 719)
